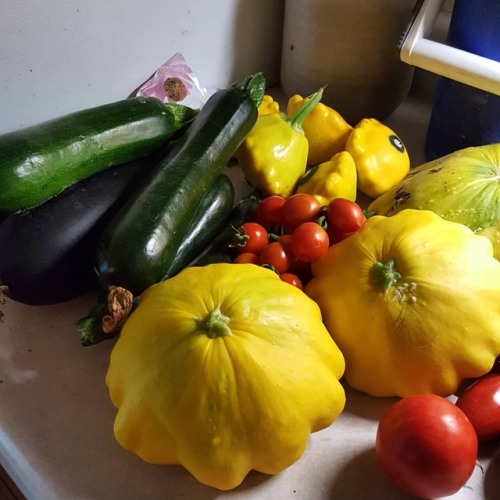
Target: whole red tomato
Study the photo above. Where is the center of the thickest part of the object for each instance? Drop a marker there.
(426, 445)
(277, 256)
(268, 212)
(246, 258)
(309, 242)
(481, 403)
(292, 279)
(251, 238)
(337, 236)
(299, 208)
(344, 216)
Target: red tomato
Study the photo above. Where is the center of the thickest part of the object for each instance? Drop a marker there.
(251, 237)
(246, 258)
(276, 255)
(297, 265)
(293, 279)
(345, 216)
(309, 242)
(285, 240)
(481, 403)
(426, 445)
(336, 236)
(268, 211)
(299, 208)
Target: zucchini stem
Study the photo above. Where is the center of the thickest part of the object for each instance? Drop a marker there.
(254, 86)
(3, 290)
(106, 318)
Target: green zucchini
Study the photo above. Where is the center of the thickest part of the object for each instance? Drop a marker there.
(39, 162)
(142, 241)
(219, 249)
(209, 220)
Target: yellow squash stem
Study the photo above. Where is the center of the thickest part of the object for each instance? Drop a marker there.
(386, 274)
(216, 324)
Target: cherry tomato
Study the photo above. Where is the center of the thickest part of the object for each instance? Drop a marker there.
(299, 208)
(336, 236)
(246, 258)
(309, 241)
(276, 255)
(345, 216)
(296, 265)
(426, 445)
(268, 212)
(481, 403)
(293, 279)
(251, 237)
(285, 240)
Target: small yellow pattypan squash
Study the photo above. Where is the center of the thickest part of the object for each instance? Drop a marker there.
(268, 106)
(224, 369)
(413, 303)
(332, 179)
(381, 158)
(325, 129)
(273, 155)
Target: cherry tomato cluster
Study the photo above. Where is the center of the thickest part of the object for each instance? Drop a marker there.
(290, 233)
(428, 446)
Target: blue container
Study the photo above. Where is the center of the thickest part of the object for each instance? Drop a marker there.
(462, 115)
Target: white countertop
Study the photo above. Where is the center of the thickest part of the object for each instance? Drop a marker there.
(56, 419)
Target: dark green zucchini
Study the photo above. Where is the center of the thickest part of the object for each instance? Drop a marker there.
(38, 162)
(219, 249)
(47, 253)
(142, 241)
(210, 218)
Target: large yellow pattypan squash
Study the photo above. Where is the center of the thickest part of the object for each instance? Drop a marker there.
(223, 369)
(413, 302)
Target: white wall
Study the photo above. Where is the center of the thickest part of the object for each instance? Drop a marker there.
(58, 56)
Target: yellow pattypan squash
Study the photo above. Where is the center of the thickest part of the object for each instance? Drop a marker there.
(325, 129)
(380, 156)
(224, 369)
(413, 303)
(332, 179)
(273, 155)
(268, 106)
